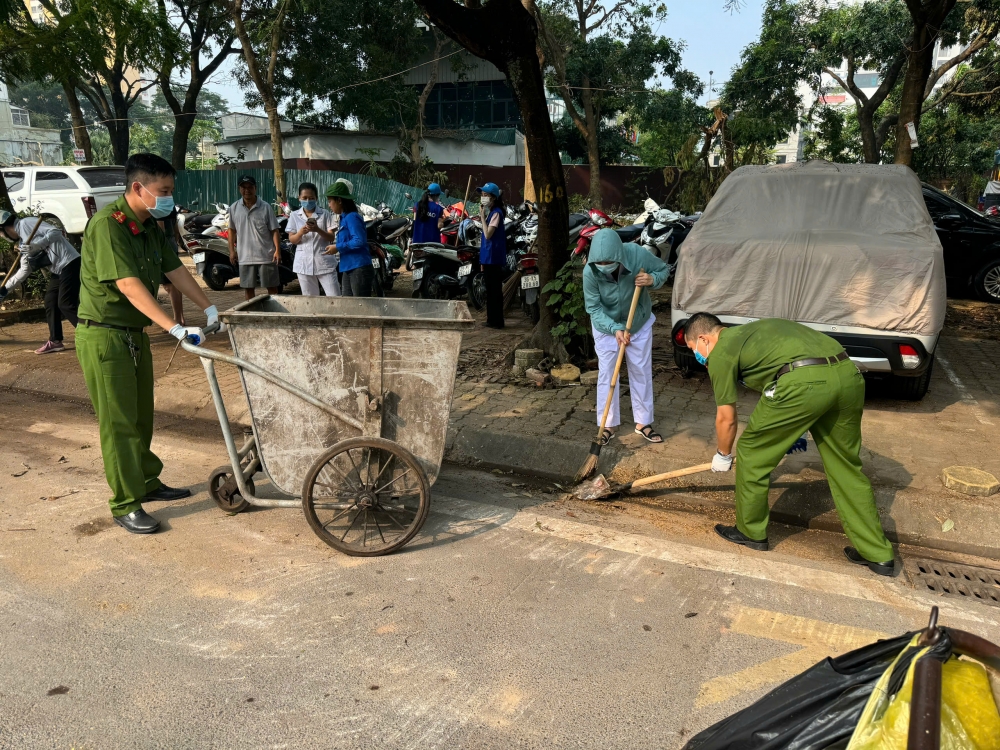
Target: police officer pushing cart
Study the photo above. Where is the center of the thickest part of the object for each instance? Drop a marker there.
(123, 256)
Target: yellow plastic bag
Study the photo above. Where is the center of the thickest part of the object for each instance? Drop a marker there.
(969, 716)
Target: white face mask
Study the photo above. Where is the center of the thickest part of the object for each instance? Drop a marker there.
(486, 200)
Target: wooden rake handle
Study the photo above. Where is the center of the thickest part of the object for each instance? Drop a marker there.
(618, 364)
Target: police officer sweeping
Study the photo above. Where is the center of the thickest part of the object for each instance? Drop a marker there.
(124, 253)
(808, 383)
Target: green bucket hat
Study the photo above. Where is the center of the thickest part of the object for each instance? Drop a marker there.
(339, 190)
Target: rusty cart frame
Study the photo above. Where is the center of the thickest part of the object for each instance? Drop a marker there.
(349, 400)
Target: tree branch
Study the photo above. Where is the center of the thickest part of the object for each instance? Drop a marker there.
(982, 39)
(844, 85)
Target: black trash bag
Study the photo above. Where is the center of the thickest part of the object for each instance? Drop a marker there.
(816, 710)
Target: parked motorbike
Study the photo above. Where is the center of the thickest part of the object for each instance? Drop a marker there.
(442, 271)
(598, 221)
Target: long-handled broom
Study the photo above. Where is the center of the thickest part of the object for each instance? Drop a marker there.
(595, 447)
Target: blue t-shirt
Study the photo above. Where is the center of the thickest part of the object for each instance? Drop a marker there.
(352, 242)
(426, 230)
(493, 251)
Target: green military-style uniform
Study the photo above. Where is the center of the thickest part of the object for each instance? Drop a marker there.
(828, 400)
(113, 348)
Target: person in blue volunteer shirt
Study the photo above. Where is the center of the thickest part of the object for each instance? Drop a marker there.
(428, 216)
(493, 251)
(358, 275)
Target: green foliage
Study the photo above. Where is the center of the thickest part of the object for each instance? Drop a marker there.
(834, 137)
(578, 204)
(565, 297)
(666, 122)
(370, 164)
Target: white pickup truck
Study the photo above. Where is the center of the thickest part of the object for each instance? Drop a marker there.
(65, 196)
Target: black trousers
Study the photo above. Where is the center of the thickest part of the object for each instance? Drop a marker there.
(493, 274)
(358, 282)
(62, 298)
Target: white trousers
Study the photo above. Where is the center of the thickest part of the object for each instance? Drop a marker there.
(639, 356)
(310, 284)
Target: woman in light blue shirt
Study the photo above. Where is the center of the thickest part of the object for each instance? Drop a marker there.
(358, 275)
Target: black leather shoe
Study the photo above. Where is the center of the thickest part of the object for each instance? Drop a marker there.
(168, 493)
(882, 568)
(138, 522)
(734, 535)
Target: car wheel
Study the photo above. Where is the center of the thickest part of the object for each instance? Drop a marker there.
(987, 282)
(685, 361)
(912, 389)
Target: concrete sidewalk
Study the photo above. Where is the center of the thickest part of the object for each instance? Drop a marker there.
(516, 427)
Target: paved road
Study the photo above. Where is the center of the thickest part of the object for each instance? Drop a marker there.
(515, 620)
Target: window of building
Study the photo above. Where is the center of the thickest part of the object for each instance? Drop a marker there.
(14, 181)
(866, 80)
(54, 181)
(471, 104)
(781, 159)
(20, 117)
(715, 160)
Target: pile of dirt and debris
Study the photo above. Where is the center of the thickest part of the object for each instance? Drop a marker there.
(973, 318)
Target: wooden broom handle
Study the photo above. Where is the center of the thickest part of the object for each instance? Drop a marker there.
(671, 475)
(618, 364)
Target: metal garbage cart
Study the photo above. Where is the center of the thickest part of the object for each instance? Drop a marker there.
(349, 400)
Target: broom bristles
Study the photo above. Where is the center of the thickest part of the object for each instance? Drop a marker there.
(590, 464)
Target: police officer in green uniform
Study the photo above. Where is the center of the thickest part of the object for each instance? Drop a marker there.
(808, 383)
(124, 253)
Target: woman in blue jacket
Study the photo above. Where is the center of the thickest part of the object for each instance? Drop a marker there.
(493, 251)
(358, 275)
(428, 216)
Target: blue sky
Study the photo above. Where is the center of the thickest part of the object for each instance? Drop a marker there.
(714, 41)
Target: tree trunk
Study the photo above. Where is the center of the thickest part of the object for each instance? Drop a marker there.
(418, 131)
(593, 148)
(504, 33)
(183, 122)
(867, 128)
(80, 133)
(927, 20)
(277, 148)
(119, 128)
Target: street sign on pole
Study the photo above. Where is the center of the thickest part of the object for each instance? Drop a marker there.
(79, 154)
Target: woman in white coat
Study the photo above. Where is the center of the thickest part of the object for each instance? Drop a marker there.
(311, 229)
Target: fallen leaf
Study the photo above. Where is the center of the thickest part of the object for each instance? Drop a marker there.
(571, 514)
(691, 614)
(60, 690)
(948, 525)
(511, 494)
(647, 628)
(62, 460)
(22, 473)
(558, 485)
(373, 687)
(84, 446)
(517, 484)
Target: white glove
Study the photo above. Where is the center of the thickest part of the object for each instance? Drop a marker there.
(721, 462)
(212, 313)
(193, 334)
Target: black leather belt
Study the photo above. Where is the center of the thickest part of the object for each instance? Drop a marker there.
(90, 323)
(785, 369)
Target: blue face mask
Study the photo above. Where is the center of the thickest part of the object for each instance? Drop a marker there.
(308, 205)
(164, 205)
(700, 358)
(608, 269)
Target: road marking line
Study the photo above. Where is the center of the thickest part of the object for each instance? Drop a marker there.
(739, 563)
(963, 393)
(819, 640)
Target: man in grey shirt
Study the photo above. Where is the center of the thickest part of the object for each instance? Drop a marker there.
(254, 240)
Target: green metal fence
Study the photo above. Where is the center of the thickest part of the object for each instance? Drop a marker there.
(219, 186)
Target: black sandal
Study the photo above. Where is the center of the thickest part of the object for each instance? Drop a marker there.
(650, 434)
(606, 436)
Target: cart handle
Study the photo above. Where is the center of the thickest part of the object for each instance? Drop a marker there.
(271, 378)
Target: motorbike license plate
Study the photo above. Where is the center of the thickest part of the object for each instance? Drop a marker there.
(418, 273)
(198, 257)
(375, 263)
(464, 270)
(530, 281)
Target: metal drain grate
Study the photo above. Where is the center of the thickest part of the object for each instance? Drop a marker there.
(952, 579)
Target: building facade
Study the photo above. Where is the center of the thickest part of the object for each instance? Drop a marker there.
(22, 144)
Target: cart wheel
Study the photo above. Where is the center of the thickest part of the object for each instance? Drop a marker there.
(225, 492)
(366, 496)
